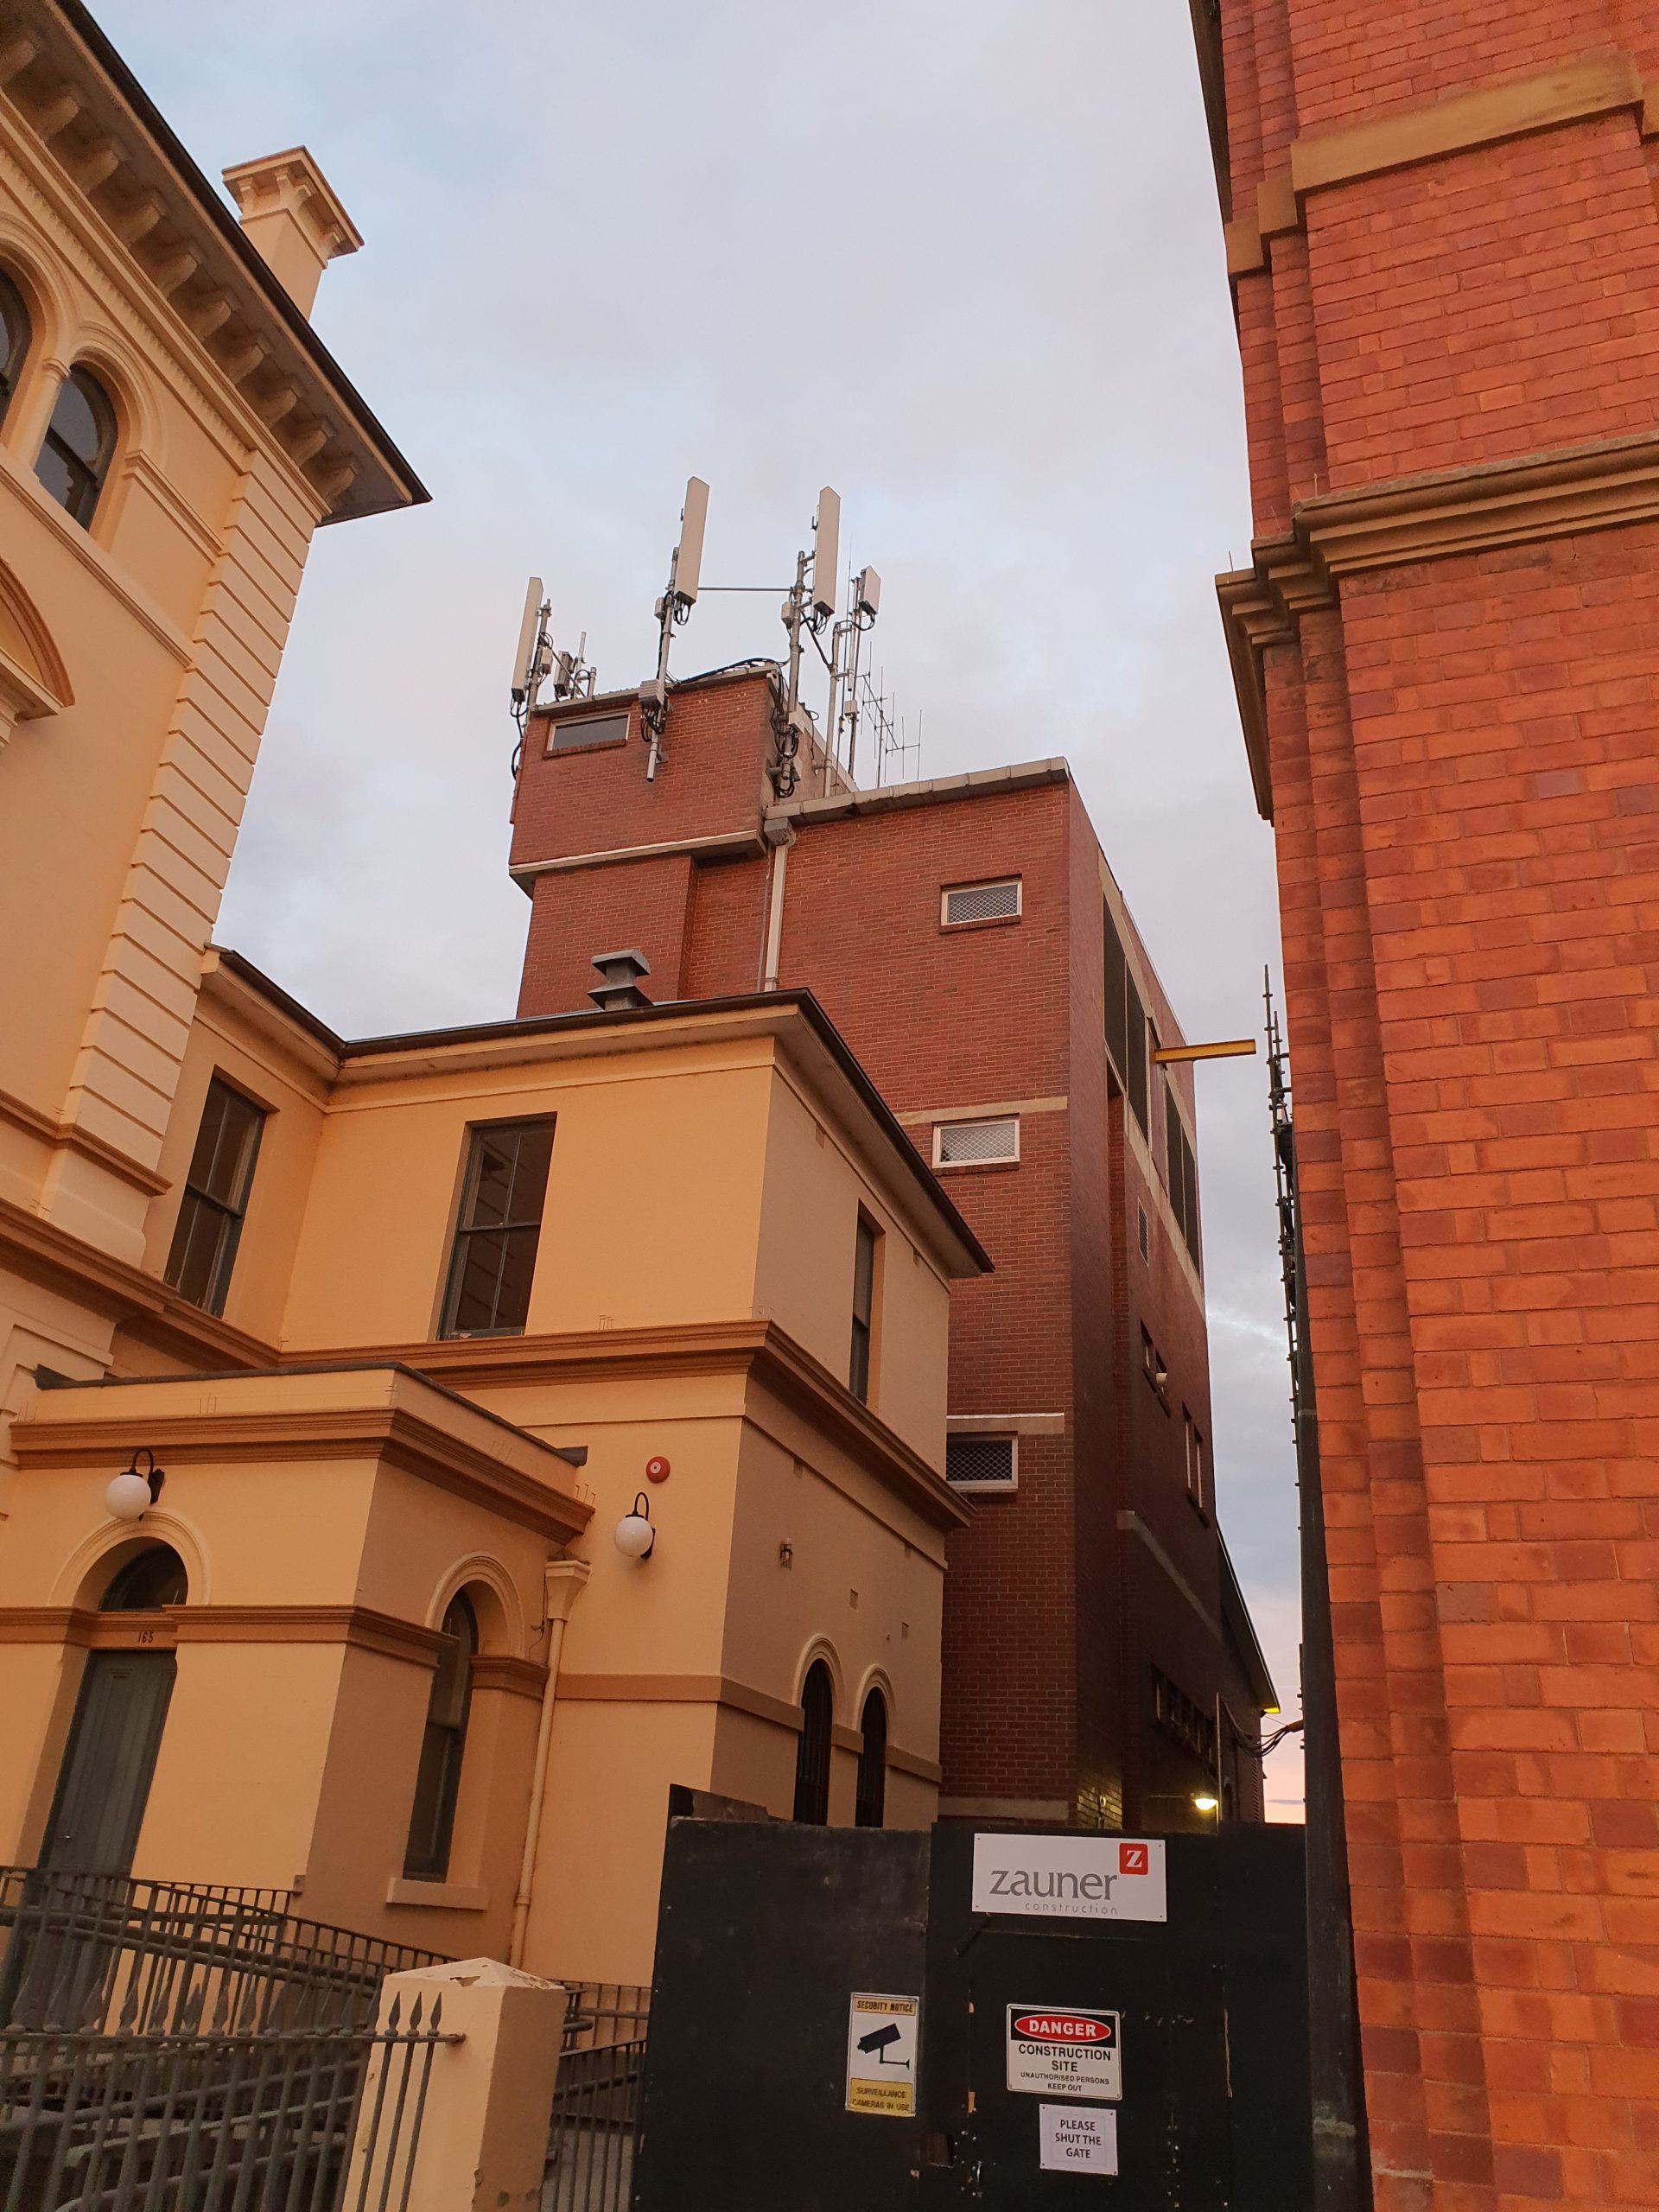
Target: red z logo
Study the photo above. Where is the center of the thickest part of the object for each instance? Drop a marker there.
(1131, 1858)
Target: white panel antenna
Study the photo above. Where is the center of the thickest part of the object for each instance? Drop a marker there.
(524, 677)
(685, 576)
(826, 554)
(687, 571)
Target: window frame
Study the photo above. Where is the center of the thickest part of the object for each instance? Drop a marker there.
(870, 1800)
(88, 493)
(1193, 1447)
(950, 891)
(814, 1747)
(616, 719)
(443, 1747)
(233, 1213)
(462, 1232)
(861, 1351)
(991, 1488)
(977, 1121)
(17, 354)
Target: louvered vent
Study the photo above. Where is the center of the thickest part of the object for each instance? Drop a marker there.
(982, 902)
(957, 1143)
(979, 1462)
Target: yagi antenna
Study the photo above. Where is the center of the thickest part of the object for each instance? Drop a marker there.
(684, 575)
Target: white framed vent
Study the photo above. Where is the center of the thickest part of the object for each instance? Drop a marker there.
(980, 902)
(981, 1462)
(587, 729)
(976, 1144)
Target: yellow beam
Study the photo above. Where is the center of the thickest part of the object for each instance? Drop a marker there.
(1231, 1048)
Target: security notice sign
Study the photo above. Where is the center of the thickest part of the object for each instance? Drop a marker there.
(882, 2033)
(1075, 1877)
(1061, 2051)
(1074, 2142)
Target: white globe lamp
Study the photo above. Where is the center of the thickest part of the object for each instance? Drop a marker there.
(634, 1536)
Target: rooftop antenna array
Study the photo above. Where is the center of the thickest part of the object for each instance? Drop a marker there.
(680, 596)
(538, 657)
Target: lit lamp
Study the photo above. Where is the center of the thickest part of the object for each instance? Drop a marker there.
(1204, 1803)
(634, 1534)
(133, 1491)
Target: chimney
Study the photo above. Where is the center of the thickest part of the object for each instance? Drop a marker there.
(289, 212)
(620, 990)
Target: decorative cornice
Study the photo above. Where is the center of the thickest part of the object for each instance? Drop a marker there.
(500, 1670)
(735, 1697)
(1604, 485)
(360, 1626)
(1455, 122)
(391, 1434)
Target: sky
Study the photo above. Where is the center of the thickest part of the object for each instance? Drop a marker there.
(961, 259)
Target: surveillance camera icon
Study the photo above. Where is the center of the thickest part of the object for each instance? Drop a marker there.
(877, 2041)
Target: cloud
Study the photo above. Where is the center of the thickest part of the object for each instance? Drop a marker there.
(961, 260)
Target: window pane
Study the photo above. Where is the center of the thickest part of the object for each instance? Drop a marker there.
(75, 420)
(479, 1258)
(64, 479)
(492, 1179)
(535, 1150)
(873, 1763)
(1135, 1050)
(864, 1273)
(812, 1750)
(14, 338)
(1117, 1006)
(493, 1263)
(222, 1171)
(193, 1265)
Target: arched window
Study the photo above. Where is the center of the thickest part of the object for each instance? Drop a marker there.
(873, 1763)
(80, 441)
(14, 339)
(436, 1784)
(812, 1751)
(145, 1582)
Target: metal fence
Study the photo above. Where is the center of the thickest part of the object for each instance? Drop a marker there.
(96, 1952)
(176, 2047)
(164, 2122)
(596, 2099)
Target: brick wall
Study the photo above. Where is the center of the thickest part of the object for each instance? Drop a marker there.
(1054, 1615)
(1465, 805)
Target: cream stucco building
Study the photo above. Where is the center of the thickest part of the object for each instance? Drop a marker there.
(388, 1336)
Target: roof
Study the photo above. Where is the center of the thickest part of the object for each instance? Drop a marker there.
(526, 1030)
(114, 102)
(1241, 1633)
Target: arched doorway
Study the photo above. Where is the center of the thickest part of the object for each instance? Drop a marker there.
(109, 1759)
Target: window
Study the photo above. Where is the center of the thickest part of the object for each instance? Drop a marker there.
(1152, 1365)
(1126, 1022)
(979, 902)
(215, 1197)
(972, 1144)
(1183, 1173)
(437, 1781)
(1143, 1232)
(1195, 1484)
(980, 1463)
(812, 1750)
(858, 1366)
(1183, 1721)
(75, 456)
(500, 1227)
(872, 1763)
(151, 1578)
(14, 339)
(587, 729)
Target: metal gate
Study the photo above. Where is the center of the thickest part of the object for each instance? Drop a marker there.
(596, 2099)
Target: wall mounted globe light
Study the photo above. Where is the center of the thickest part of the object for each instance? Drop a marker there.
(136, 1489)
(635, 1538)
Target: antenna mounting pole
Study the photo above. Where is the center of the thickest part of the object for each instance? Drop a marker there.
(684, 575)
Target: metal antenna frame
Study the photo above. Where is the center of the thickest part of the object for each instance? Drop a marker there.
(673, 608)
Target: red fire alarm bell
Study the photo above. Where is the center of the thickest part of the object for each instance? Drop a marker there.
(657, 1469)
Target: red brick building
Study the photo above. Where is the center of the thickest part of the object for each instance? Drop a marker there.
(1444, 244)
(967, 937)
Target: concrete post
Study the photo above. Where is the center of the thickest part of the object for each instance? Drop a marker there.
(483, 2133)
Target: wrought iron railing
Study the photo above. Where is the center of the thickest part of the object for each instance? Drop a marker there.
(295, 2119)
(101, 1953)
(596, 2099)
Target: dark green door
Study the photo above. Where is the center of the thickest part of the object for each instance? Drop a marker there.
(105, 1780)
